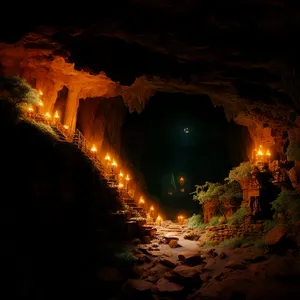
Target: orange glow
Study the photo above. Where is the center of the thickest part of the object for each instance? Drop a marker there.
(152, 208)
(30, 108)
(41, 93)
(142, 201)
(114, 163)
(56, 115)
(94, 149)
(107, 157)
(127, 177)
(66, 126)
(47, 115)
(121, 174)
(268, 153)
(260, 153)
(41, 103)
(121, 185)
(181, 179)
(158, 220)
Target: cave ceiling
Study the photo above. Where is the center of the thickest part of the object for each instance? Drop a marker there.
(243, 54)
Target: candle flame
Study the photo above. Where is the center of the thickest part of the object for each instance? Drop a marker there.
(114, 163)
(56, 115)
(107, 157)
(47, 115)
(94, 149)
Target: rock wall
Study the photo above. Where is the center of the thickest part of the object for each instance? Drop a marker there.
(224, 232)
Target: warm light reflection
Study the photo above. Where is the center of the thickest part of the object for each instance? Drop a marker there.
(56, 115)
(94, 149)
(30, 108)
(66, 126)
(121, 185)
(41, 93)
(107, 157)
(127, 177)
(261, 152)
(152, 208)
(158, 220)
(142, 201)
(41, 103)
(114, 163)
(47, 115)
(121, 174)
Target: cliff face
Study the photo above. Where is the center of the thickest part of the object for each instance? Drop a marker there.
(244, 61)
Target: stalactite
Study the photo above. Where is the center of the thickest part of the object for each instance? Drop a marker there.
(137, 95)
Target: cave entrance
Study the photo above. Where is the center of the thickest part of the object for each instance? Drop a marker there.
(60, 103)
(179, 141)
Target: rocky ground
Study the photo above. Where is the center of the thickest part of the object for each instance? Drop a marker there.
(171, 267)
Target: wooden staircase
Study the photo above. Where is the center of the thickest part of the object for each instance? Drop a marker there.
(132, 213)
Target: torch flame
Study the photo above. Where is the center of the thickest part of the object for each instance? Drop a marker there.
(30, 108)
(56, 115)
(127, 177)
(107, 157)
(121, 174)
(114, 163)
(121, 185)
(41, 103)
(41, 93)
(47, 115)
(94, 149)
(66, 126)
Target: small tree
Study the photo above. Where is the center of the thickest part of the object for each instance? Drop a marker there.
(293, 151)
(288, 203)
(17, 91)
(243, 171)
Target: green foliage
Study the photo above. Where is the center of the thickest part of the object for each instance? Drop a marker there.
(288, 203)
(232, 243)
(207, 191)
(217, 191)
(243, 171)
(195, 221)
(239, 216)
(293, 151)
(17, 90)
(214, 221)
(269, 224)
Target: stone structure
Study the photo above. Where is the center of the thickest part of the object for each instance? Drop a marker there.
(211, 208)
(225, 232)
(251, 191)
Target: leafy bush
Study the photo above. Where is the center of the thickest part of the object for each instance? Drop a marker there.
(243, 171)
(232, 243)
(293, 151)
(269, 224)
(195, 221)
(239, 216)
(17, 90)
(214, 221)
(217, 191)
(207, 191)
(288, 203)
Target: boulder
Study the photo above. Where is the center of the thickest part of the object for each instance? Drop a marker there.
(173, 243)
(167, 262)
(191, 259)
(186, 275)
(164, 286)
(276, 235)
(138, 288)
(235, 265)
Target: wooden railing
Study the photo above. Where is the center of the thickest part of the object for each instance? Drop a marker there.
(79, 140)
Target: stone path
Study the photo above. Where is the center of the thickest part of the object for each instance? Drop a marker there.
(182, 270)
